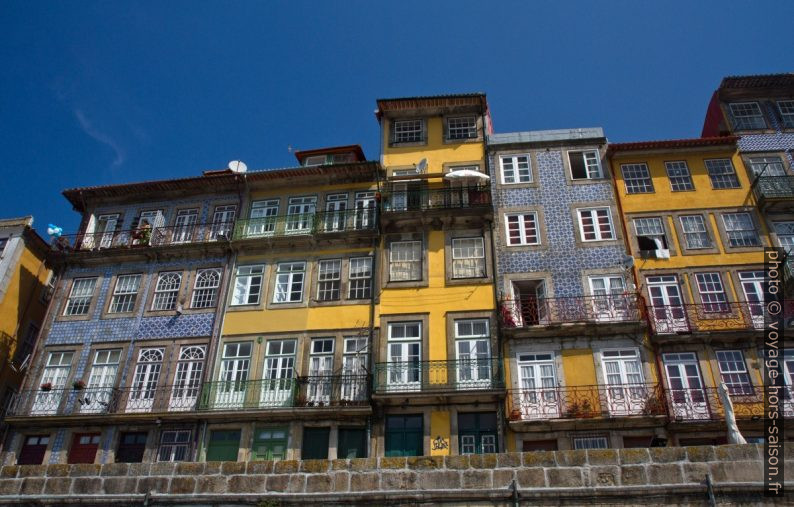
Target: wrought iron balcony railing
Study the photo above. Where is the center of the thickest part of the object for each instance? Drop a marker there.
(528, 312)
(437, 198)
(432, 376)
(311, 391)
(704, 317)
(774, 187)
(306, 224)
(580, 402)
(704, 404)
(138, 238)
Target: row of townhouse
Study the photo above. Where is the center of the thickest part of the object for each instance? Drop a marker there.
(470, 292)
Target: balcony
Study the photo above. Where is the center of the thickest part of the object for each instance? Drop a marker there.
(541, 316)
(774, 192)
(306, 224)
(430, 199)
(270, 394)
(706, 318)
(704, 404)
(142, 238)
(432, 377)
(585, 402)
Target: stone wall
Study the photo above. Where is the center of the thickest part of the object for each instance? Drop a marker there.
(669, 476)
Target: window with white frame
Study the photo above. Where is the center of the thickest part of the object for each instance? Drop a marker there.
(329, 279)
(590, 442)
(712, 292)
(740, 230)
(404, 354)
(595, 224)
(695, 233)
(785, 235)
(522, 229)
(585, 165)
(205, 290)
(468, 258)
(125, 294)
(637, 178)
(166, 291)
(321, 358)
(462, 127)
(174, 445)
(679, 176)
(747, 115)
(650, 234)
(405, 261)
(408, 131)
(360, 286)
(733, 371)
(79, 300)
(516, 169)
(622, 367)
(248, 285)
(768, 166)
(721, 173)
(289, 282)
(786, 109)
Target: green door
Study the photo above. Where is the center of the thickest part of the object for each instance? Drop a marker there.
(315, 443)
(223, 445)
(352, 443)
(477, 433)
(404, 435)
(270, 444)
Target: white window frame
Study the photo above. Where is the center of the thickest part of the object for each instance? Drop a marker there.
(329, 280)
(511, 170)
(679, 175)
(520, 220)
(738, 379)
(759, 165)
(205, 288)
(166, 296)
(637, 178)
(747, 120)
(786, 110)
(414, 264)
(591, 159)
(728, 231)
(289, 276)
(722, 174)
(465, 257)
(469, 128)
(248, 282)
(712, 292)
(702, 232)
(125, 293)
(175, 445)
(600, 236)
(80, 296)
(403, 133)
(360, 280)
(590, 442)
(653, 228)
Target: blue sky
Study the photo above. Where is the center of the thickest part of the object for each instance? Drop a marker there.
(94, 93)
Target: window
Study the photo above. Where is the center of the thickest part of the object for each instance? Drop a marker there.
(352, 443)
(49, 288)
(408, 131)
(621, 367)
(289, 282)
(206, 288)
(184, 225)
(329, 279)
(516, 169)
(26, 347)
(404, 356)
(785, 235)
(248, 285)
(733, 371)
(585, 165)
(364, 205)
(83, 449)
(786, 108)
(477, 432)
(79, 299)
(300, 215)
(131, 447)
(712, 293)
(321, 366)
(590, 442)
(651, 237)
(695, 233)
(187, 379)
(270, 444)
(174, 446)
(747, 115)
(233, 376)
(314, 160)
(360, 278)
(125, 294)
(167, 290)
(637, 178)
(596, 224)
(404, 435)
(55, 374)
(224, 445)
(99, 392)
(3, 243)
(769, 166)
(468, 258)
(405, 261)
(145, 380)
(279, 385)
(522, 229)
(354, 369)
(223, 222)
(678, 173)
(740, 229)
(262, 220)
(722, 174)
(462, 127)
(473, 349)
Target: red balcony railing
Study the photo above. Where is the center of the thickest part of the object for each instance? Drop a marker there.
(704, 404)
(526, 312)
(139, 238)
(580, 402)
(688, 318)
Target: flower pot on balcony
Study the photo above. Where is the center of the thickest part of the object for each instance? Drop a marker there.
(515, 415)
(47, 386)
(78, 385)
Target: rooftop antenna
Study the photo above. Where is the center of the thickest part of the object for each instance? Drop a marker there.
(237, 166)
(421, 166)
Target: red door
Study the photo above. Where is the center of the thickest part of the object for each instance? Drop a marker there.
(32, 452)
(84, 447)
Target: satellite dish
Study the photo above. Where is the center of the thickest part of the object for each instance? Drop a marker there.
(627, 261)
(421, 166)
(237, 166)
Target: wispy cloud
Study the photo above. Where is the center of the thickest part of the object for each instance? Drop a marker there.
(102, 137)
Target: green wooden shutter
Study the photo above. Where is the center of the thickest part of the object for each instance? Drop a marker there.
(223, 445)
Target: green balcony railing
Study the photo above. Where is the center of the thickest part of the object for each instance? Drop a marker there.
(248, 394)
(432, 376)
(302, 224)
(774, 187)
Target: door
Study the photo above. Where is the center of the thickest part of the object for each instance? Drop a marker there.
(538, 397)
(404, 356)
(97, 396)
(404, 435)
(669, 316)
(753, 287)
(685, 385)
(263, 218)
(145, 379)
(279, 378)
(477, 433)
(270, 444)
(626, 393)
(33, 450)
(354, 363)
(365, 210)
(315, 443)
(474, 357)
(531, 304)
(106, 229)
(335, 208)
(352, 443)
(187, 379)
(222, 222)
(233, 381)
(83, 449)
(55, 374)
(184, 225)
(300, 215)
(223, 445)
(321, 363)
(609, 300)
(131, 447)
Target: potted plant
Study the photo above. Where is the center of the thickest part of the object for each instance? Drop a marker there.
(78, 385)
(46, 386)
(515, 414)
